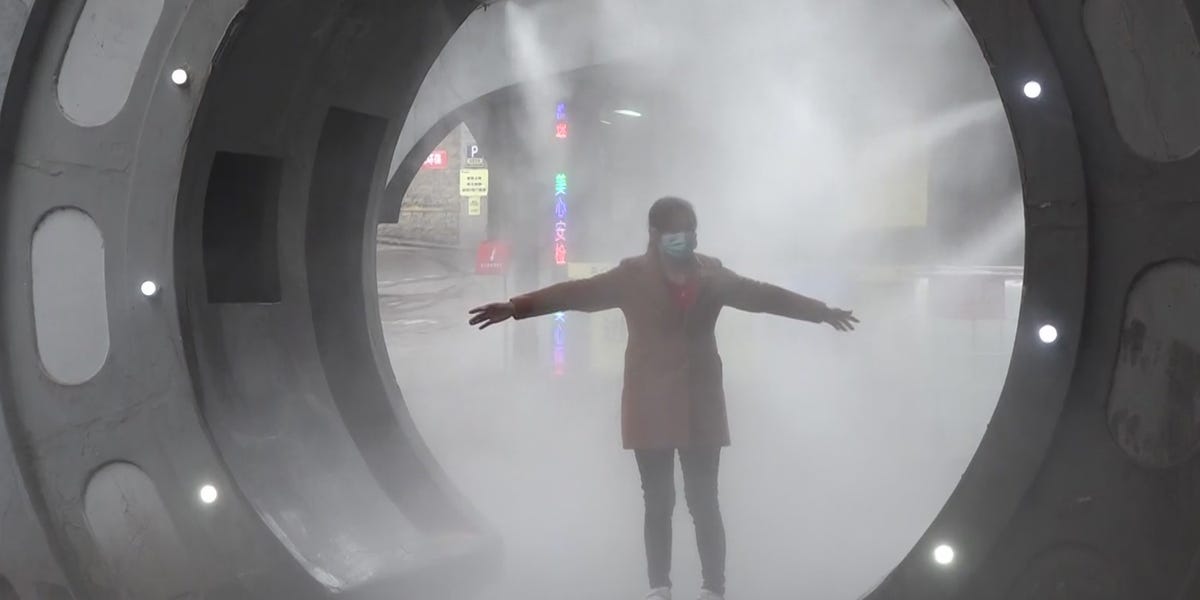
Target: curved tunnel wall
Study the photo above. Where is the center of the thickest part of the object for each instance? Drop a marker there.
(1137, 528)
(195, 391)
(232, 430)
(26, 558)
(138, 407)
(358, 501)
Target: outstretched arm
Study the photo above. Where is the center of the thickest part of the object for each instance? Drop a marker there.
(597, 293)
(593, 294)
(754, 296)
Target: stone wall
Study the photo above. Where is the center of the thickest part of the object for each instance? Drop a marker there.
(424, 225)
(433, 212)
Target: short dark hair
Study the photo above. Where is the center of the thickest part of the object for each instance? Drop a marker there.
(664, 211)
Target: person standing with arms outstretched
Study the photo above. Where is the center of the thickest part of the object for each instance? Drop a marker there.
(673, 399)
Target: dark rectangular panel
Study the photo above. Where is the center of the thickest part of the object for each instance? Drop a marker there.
(241, 251)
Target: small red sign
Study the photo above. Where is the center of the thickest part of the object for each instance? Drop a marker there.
(492, 258)
(437, 160)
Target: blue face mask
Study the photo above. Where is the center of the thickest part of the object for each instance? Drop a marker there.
(679, 246)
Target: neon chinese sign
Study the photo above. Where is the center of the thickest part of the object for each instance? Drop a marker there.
(560, 219)
(560, 125)
(560, 241)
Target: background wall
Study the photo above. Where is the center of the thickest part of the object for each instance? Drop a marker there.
(433, 210)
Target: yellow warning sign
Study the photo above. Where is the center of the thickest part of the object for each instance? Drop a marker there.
(473, 182)
(474, 206)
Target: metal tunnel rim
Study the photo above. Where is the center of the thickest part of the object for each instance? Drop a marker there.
(1031, 402)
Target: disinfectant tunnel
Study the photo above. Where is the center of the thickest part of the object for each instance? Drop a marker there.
(197, 399)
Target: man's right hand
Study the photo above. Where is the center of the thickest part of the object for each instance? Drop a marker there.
(491, 314)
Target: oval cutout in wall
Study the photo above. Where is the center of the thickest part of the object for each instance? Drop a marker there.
(103, 58)
(1150, 60)
(70, 308)
(134, 533)
(1154, 402)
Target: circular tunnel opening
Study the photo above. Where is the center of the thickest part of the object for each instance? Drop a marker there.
(866, 161)
(768, 143)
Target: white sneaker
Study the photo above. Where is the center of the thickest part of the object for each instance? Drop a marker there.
(659, 594)
(707, 595)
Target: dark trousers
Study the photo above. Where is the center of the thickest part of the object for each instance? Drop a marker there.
(700, 467)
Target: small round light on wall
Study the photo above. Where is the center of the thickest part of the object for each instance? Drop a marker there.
(179, 77)
(943, 555)
(149, 289)
(1033, 89)
(1048, 334)
(627, 112)
(208, 493)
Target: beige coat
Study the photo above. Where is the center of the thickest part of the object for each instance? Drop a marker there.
(674, 393)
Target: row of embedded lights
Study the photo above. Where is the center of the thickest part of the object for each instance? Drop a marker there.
(1032, 89)
(943, 554)
(208, 491)
(1048, 334)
